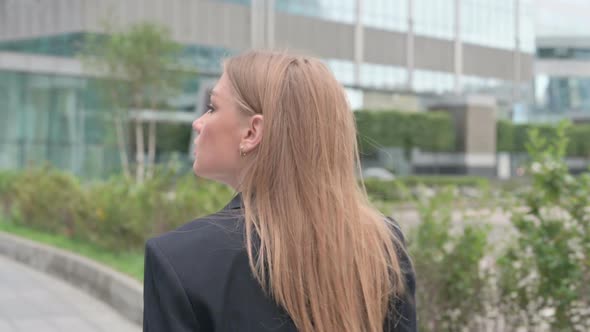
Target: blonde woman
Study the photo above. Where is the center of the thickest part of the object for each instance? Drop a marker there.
(299, 247)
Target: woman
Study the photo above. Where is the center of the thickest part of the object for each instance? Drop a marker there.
(299, 248)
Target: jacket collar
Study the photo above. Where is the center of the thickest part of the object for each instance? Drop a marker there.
(235, 203)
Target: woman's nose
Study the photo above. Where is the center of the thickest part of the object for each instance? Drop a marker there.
(197, 124)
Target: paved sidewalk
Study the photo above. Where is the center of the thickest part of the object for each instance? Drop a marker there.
(32, 301)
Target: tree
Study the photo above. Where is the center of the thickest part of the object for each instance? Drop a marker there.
(141, 58)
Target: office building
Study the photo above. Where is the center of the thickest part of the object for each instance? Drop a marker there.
(399, 54)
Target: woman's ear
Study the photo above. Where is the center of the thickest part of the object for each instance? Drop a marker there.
(253, 133)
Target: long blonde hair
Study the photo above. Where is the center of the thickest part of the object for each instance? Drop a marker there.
(315, 243)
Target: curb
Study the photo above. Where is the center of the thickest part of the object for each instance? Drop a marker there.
(122, 293)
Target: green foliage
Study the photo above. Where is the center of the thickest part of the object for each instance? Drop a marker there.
(142, 55)
(442, 181)
(545, 274)
(447, 259)
(174, 137)
(428, 131)
(505, 136)
(117, 214)
(141, 72)
(579, 141)
(398, 189)
(49, 200)
(514, 137)
(7, 184)
(386, 190)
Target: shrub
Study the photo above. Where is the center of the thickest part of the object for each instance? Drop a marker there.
(134, 212)
(447, 260)
(399, 129)
(400, 188)
(579, 141)
(505, 136)
(442, 181)
(514, 137)
(116, 214)
(544, 275)
(49, 200)
(7, 180)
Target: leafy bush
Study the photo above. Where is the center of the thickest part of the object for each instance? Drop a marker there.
(544, 275)
(447, 260)
(505, 136)
(579, 141)
(399, 129)
(400, 188)
(49, 200)
(514, 137)
(442, 181)
(135, 212)
(117, 214)
(386, 190)
(7, 180)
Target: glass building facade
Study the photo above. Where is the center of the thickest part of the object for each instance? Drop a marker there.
(54, 119)
(66, 121)
(63, 119)
(562, 81)
(488, 23)
(555, 93)
(386, 15)
(342, 11)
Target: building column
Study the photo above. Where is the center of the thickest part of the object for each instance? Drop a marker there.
(410, 46)
(256, 23)
(516, 87)
(270, 23)
(458, 49)
(262, 23)
(359, 43)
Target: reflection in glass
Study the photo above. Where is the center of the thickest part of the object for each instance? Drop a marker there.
(382, 76)
(343, 70)
(386, 14)
(489, 23)
(433, 81)
(562, 94)
(333, 10)
(434, 18)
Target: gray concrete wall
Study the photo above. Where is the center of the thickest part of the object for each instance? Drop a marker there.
(313, 36)
(433, 54)
(385, 47)
(492, 62)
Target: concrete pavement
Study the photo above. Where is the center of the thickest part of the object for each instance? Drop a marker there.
(33, 301)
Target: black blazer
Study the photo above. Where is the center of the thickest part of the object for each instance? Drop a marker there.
(197, 278)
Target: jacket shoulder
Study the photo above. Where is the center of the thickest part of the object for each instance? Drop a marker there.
(214, 231)
(204, 248)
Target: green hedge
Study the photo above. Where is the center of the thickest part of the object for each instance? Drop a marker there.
(117, 214)
(514, 137)
(431, 131)
(396, 190)
(443, 181)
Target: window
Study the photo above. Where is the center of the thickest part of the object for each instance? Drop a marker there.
(382, 76)
(333, 10)
(433, 81)
(434, 18)
(385, 14)
(489, 23)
